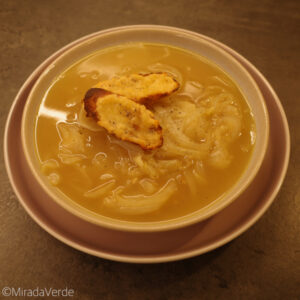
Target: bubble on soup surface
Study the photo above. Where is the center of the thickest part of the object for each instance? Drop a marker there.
(54, 178)
(148, 185)
(49, 165)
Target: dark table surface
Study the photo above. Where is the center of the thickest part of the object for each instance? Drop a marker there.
(263, 263)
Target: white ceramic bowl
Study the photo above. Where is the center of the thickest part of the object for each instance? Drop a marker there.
(154, 34)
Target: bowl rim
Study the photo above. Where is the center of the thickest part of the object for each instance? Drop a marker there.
(154, 226)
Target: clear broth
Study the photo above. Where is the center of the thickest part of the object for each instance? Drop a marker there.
(103, 157)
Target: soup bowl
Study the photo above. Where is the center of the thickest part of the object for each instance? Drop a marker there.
(187, 40)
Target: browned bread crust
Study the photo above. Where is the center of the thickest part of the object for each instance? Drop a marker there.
(141, 87)
(126, 119)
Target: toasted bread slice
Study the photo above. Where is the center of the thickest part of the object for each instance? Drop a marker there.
(124, 118)
(141, 88)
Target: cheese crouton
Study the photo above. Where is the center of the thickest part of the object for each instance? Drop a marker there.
(124, 118)
(141, 88)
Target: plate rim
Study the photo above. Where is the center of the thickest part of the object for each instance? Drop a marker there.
(154, 258)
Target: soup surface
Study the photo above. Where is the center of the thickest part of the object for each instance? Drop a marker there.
(207, 127)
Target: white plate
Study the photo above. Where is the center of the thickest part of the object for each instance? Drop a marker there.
(150, 247)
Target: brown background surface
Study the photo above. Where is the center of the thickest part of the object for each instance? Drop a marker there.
(264, 263)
